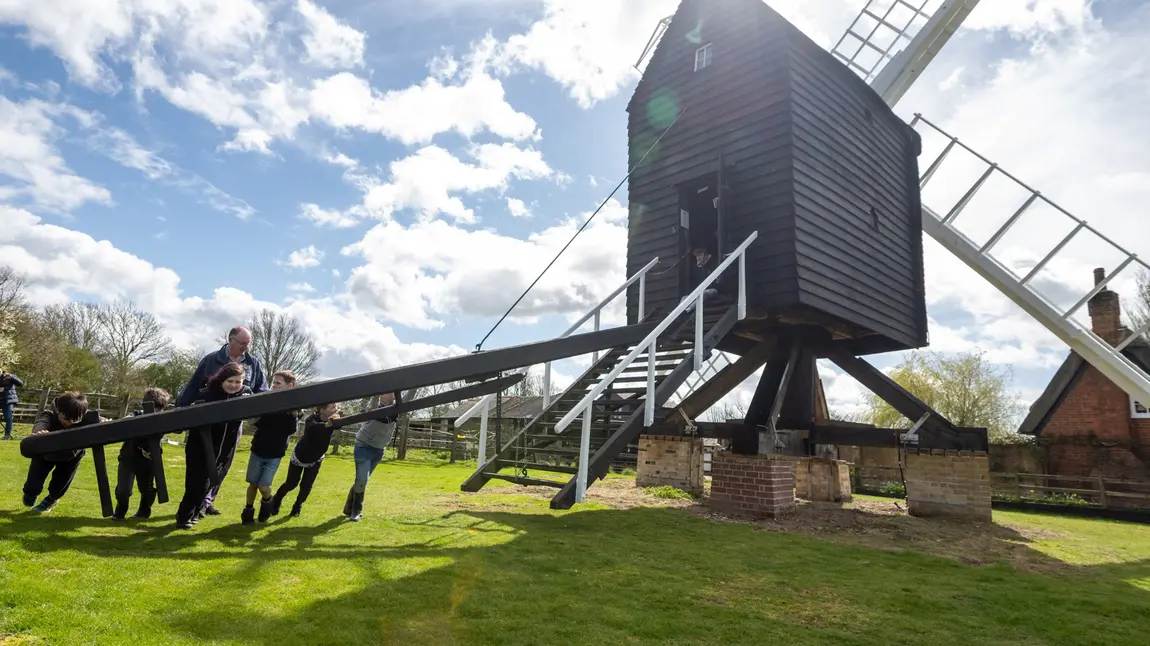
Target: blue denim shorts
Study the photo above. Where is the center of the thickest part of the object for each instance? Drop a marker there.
(262, 470)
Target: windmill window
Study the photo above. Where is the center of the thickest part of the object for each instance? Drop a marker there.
(1138, 411)
(703, 57)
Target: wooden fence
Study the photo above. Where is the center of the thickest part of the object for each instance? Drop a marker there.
(34, 400)
(1083, 491)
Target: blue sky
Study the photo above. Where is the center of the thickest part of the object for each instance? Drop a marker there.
(353, 162)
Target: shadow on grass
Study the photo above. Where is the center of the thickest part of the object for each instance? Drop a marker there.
(644, 575)
(659, 576)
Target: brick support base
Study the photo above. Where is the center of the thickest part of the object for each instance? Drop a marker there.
(760, 486)
(670, 460)
(953, 484)
(823, 480)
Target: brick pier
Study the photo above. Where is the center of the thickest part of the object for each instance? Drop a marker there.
(953, 484)
(671, 460)
(760, 486)
(823, 480)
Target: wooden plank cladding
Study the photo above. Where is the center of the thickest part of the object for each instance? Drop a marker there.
(811, 158)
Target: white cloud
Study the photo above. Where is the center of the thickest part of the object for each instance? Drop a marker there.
(305, 258)
(417, 275)
(32, 164)
(430, 180)
(63, 264)
(329, 42)
(300, 287)
(326, 217)
(518, 208)
(417, 114)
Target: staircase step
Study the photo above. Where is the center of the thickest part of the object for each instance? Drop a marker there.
(538, 466)
(528, 482)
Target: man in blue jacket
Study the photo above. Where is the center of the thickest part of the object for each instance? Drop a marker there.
(235, 350)
(8, 399)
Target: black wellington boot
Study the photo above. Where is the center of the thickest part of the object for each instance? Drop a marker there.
(265, 510)
(248, 515)
(356, 508)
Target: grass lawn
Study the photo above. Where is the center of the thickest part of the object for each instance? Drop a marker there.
(431, 565)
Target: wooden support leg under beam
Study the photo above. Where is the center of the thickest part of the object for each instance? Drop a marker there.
(911, 407)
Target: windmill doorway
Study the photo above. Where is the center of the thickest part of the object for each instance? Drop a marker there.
(700, 231)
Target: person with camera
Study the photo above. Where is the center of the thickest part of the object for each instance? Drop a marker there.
(8, 398)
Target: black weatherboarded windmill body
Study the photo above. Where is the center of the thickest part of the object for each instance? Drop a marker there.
(744, 126)
(796, 147)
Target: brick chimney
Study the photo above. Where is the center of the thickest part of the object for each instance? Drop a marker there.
(1105, 311)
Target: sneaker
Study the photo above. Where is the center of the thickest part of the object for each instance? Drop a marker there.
(211, 510)
(143, 514)
(276, 502)
(185, 524)
(295, 510)
(248, 515)
(29, 500)
(46, 505)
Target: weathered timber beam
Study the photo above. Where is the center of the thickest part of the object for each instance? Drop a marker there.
(963, 439)
(438, 399)
(886, 388)
(337, 390)
(727, 379)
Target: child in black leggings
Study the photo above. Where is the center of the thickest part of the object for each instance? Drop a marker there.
(228, 382)
(307, 457)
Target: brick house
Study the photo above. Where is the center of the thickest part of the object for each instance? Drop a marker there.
(1090, 426)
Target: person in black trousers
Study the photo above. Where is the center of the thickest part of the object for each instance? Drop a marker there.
(8, 398)
(137, 463)
(228, 382)
(67, 411)
(307, 457)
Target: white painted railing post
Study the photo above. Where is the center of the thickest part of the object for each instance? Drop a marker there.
(584, 456)
(642, 296)
(483, 434)
(546, 384)
(595, 354)
(649, 404)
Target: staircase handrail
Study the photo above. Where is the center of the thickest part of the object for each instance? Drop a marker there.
(694, 299)
(595, 312)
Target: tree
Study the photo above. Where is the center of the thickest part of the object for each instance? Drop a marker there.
(12, 306)
(726, 409)
(1139, 310)
(129, 339)
(964, 388)
(280, 342)
(47, 359)
(79, 323)
(172, 373)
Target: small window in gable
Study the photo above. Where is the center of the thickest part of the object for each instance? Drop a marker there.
(1138, 411)
(703, 57)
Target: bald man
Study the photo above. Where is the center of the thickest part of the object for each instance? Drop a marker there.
(235, 350)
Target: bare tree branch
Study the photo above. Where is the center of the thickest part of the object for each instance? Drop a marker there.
(129, 338)
(280, 342)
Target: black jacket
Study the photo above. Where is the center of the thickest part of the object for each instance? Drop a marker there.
(272, 433)
(219, 431)
(316, 438)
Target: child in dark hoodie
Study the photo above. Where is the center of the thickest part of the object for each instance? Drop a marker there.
(227, 383)
(136, 463)
(269, 444)
(307, 457)
(67, 410)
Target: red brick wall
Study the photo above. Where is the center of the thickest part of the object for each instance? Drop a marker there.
(1091, 433)
(752, 485)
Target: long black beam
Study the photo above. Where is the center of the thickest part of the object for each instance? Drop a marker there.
(438, 399)
(369, 384)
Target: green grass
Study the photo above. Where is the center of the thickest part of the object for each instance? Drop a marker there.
(429, 565)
